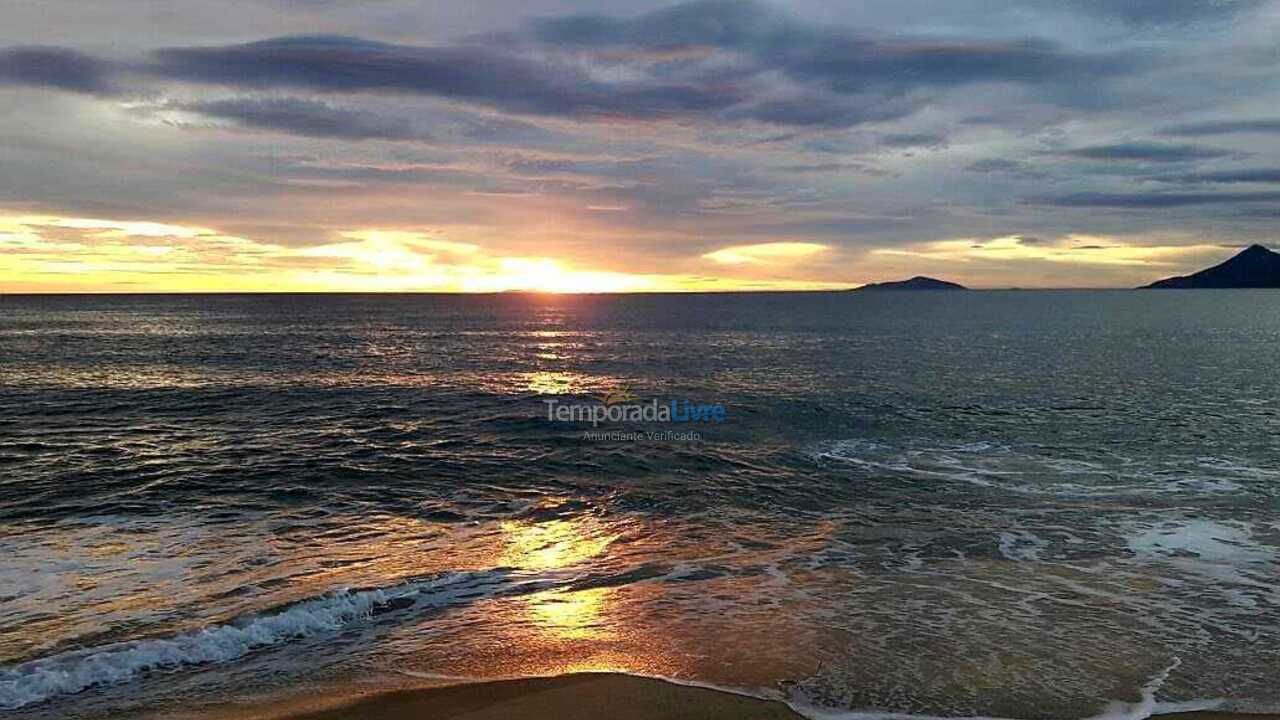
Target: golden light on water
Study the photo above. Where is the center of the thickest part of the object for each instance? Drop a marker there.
(561, 615)
(554, 383)
(553, 544)
(569, 614)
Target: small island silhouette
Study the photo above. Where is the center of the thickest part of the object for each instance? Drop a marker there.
(1255, 267)
(919, 282)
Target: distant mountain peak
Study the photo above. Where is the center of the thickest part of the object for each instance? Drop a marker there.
(919, 282)
(1254, 267)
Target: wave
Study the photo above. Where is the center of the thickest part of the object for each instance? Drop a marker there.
(1032, 471)
(75, 671)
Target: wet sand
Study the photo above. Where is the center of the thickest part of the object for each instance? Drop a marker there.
(1215, 715)
(589, 696)
(585, 696)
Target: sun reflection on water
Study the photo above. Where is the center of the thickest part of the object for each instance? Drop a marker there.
(571, 615)
(553, 383)
(553, 544)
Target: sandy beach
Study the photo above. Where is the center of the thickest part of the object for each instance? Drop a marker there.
(568, 697)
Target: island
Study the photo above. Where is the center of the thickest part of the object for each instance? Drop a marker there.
(919, 282)
(1254, 267)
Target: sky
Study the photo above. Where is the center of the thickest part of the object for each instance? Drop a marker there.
(565, 145)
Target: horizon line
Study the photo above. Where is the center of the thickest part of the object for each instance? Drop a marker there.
(575, 293)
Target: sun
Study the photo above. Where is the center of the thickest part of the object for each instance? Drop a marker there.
(551, 276)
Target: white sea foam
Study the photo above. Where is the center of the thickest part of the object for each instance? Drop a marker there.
(1022, 545)
(1147, 706)
(1033, 472)
(1225, 553)
(72, 672)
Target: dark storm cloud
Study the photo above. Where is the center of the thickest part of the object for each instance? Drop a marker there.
(484, 75)
(52, 67)
(1225, 127)
(1154, 200)
(1148, 152)
(307, 118)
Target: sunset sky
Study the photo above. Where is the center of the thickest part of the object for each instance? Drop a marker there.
(565, 145)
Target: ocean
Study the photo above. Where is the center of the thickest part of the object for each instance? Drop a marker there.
(1021, 504)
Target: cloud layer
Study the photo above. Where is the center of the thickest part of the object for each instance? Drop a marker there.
(54, 68)
(728, 140)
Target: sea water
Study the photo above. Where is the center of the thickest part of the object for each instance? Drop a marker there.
(1001, 504)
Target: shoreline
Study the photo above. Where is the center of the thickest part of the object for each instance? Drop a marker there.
(574, 696)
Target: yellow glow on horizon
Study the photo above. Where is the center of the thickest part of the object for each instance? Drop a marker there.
(764, 253)
(70, 254)
(1076, 249)
(548, 275)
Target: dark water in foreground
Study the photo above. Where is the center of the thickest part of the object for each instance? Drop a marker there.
(1017, 504)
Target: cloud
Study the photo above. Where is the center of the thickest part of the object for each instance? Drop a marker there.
(1148, 12)
(1225, 127)
(1154, 200)
(827, 167)
(764, 253)
(315, 118)
(1248, 175)
(843, 61)
(824, 110)
(484, 75)
(831, 227)
(307, 118)
(1148, 152)
(711, 59)
(54, 68)
(702, 23)
(909, 140)
(1005, 166)
(994, 165)
(717, 125)
(1074, 249)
